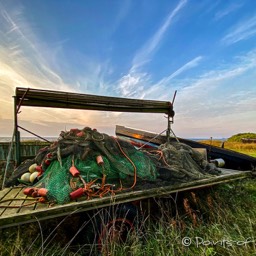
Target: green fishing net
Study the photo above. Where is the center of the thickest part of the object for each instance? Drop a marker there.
(80, 148)
(106, 164)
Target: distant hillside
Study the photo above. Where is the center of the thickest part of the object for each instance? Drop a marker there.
(238, 137)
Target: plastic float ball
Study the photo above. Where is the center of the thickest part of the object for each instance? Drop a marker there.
(33, 176)
(25, 176)
(32, 168)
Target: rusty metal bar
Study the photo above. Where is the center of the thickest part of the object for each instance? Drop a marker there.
(34, 134)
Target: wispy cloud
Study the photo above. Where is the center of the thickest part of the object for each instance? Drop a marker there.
(157, 88)
(242, 31)
(215, 98)
(191, 64)
(133, 83)
(23, 64)
(143, 55)
(230, 9)
(20, 43)
(216, 95)
(210, 97)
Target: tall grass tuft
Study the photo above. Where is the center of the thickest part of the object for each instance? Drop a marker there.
(215, 221)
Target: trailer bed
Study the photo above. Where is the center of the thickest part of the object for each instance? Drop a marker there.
(19, 214)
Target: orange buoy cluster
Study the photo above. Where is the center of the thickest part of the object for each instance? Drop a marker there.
(90, 189)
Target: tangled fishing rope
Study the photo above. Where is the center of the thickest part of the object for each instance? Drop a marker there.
(88, 164)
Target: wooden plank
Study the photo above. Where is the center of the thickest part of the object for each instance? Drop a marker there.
(4, 192)
(86, 205)
(57, 99)
(10, 195)
(106, 107)
(140, 135)
(31, 204)
(50, 94)
(20, 200)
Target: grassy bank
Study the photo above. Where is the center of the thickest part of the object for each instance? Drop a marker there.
(245, 148)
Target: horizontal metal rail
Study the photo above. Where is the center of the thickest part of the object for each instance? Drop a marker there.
(59, 99)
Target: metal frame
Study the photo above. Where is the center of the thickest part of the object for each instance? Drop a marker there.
(58, 99)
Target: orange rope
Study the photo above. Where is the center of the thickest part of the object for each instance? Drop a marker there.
(160, 152)
(17, 206)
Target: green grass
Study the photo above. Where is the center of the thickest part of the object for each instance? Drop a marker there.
(238, 137)
(245, 148)
(219, 221)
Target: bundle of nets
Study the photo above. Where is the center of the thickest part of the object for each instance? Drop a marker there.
(120, 165)
(92, 164)
(182, 163)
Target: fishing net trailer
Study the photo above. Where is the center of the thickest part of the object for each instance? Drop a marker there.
(57, 99)
(75, 145)
(88, 156)
(89, 164)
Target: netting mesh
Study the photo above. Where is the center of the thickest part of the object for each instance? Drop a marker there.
(56, 180)
(88, 163)
(121, 161)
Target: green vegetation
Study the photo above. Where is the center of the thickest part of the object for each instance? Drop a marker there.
(238, 137)
(245, 148)
(219, 221)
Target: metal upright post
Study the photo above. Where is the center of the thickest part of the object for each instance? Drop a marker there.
(17, 133)
(168, 132)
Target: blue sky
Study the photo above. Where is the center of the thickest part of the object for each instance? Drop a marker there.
(206, 50)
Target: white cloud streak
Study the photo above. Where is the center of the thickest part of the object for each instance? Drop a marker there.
(151, 45)
(242, 31)
(217, 98)
(191, 64)
(134, 82)
(156, 89)
(225, 12)
(204, 105)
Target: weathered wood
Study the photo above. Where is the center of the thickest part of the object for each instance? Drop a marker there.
(31, 214)
(15, 203)
(4, 192)
(57, 99)
(140, 135)
(12, 193)
(27, 150)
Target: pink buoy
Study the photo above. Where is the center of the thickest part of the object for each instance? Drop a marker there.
(49, 155)
(47, 161)
(80, 134)
(35, 194)
(28, 191)
(76, 194)
(74, 171)
(99, 160)
(42, 192)
(39, 169)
